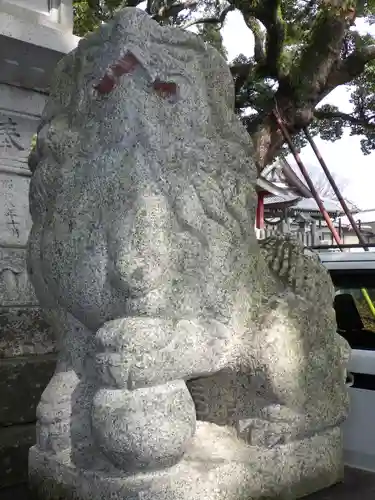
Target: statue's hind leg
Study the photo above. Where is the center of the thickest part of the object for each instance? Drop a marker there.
(63, 414)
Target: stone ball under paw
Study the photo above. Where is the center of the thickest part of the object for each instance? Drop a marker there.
(145, 428)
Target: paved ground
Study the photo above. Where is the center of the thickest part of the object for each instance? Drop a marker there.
(358, 485)
(14, 493)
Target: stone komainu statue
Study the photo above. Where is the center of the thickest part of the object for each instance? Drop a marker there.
(193, 361)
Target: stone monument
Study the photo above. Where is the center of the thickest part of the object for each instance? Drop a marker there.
(194, 363)
(34, 35)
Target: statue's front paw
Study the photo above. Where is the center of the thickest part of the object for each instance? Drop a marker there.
(197, 348)
(143, 352)
(124, 344)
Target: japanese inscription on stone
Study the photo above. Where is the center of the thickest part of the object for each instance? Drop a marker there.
(9, 136)
(16, 133)
(15, 220)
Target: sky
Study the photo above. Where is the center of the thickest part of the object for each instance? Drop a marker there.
(353, 170)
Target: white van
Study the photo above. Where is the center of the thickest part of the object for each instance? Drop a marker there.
(352, 272)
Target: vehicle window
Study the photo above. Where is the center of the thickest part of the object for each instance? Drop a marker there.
(362, 297)
(355, 306)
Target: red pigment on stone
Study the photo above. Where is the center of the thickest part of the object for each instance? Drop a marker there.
(165, 89)
(122, 66)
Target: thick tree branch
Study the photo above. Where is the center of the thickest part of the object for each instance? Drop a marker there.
(259, 39)
(351, 67)
(173, 10)
(275, 37)
(133, 3)
(322, 51)
(269, 14)
(211, 20)
(330, 115)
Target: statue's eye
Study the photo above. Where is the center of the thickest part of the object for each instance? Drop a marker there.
(167, 90)
(106, 84)
(124, 65)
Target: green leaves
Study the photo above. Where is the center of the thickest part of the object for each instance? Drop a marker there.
(213, 36)
(88, 14)
(363, 100)
(86, 18)
(331, 125)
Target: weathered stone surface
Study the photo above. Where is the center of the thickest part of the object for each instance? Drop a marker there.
(216, 467)
(193, 362)
(15, 287)
(15, 220)
(16, 131)
(15, 442)
(23, 332)
(22, 381)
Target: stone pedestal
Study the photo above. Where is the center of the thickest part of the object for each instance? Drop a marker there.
(217, 466)
(32, 40)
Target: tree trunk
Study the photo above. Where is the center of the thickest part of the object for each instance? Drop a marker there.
(313, 75)
(267, 137)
